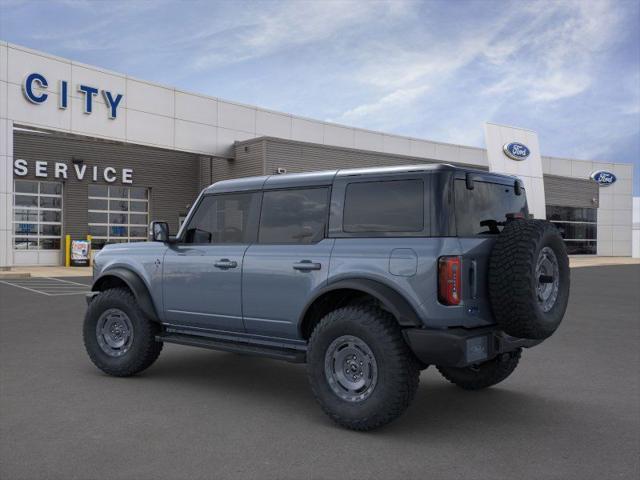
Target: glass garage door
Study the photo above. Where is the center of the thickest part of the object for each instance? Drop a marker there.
(117, 214)
(578, 227)
(37, 222)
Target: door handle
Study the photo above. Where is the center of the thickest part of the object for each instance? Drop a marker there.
(225, 263)
(305, 265)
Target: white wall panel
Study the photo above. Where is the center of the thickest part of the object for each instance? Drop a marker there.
(396, 145)
(149, 98)
(307, 130)
(196, 108)
(622, 249)
(581, 169)
(98, 78)
(422, 148)
(621, 233)
(622, 202)
(3, 99)
(621, 217)
(3, 61)
(605, 216)
(470, 156)
(149, 128)
(196, 137)
(97, 123)
(447, 153)
(338, 136)
(605, 248)
(366, 140)
(46, 114)
(272, 124)
(236, 117)
(22, 63)
(560, 166)
(226, 139)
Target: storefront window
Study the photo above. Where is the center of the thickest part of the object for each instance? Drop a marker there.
(578, 227)
(117, 214)
(37, 215)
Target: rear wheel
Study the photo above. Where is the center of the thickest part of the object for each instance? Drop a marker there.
(119, 339)
(360, 369)
(477, 377)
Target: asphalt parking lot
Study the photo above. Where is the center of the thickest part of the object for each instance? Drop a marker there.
(571, 409)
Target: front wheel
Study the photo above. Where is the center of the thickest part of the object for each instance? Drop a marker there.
(361, 371)
(477, 377)
(118, 337)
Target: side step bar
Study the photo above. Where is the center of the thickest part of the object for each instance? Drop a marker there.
(287, 354)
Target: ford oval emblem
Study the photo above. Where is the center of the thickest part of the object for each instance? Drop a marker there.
(516, 151)
(604, 178)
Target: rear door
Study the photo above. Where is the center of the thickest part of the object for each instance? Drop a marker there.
(289, 260)
(202, 275)
(480, 213)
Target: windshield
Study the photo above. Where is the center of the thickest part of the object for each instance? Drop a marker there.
(484, 209)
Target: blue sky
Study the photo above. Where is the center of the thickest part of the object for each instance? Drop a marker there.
(437, 70)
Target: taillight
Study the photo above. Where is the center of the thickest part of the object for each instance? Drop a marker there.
(449, 292)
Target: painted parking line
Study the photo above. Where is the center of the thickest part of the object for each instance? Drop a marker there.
(52, 287)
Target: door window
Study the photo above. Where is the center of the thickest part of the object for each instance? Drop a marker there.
(294, 216)
(227, 218)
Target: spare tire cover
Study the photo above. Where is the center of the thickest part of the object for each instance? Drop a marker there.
(529, 279)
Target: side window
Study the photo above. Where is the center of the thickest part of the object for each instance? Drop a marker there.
(387, 206)
(223, 219)
(294, 216)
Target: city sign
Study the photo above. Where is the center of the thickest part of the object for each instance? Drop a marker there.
(39, 95)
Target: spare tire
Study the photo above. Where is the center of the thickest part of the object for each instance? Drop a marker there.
(529, 279)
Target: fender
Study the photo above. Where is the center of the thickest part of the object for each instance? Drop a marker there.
(135, 284)
(394, 302)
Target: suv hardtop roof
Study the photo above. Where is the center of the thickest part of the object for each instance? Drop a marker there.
(326, 177)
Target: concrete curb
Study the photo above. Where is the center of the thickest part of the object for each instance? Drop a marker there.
(13, 275)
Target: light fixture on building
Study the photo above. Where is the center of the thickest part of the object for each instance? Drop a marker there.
(281, 171)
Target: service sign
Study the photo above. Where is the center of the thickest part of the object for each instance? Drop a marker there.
(603, 178)
(516, 151)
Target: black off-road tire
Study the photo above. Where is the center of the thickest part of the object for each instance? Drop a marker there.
(485, 374)
(398, 373)
(144, 348)
(512, 279)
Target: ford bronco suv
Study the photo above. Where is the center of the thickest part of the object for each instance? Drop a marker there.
(366, 275)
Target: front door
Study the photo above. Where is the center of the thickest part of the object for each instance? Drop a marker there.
(202, 275)
(289, 261)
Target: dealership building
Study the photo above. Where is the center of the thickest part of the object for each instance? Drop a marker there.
(89, 152)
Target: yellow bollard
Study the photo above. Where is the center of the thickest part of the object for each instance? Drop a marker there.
(67, 250)
(89, 238)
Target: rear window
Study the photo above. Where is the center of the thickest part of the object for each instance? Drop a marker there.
(389, 206)
(484, 209)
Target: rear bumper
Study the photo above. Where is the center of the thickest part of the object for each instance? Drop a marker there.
(460, 347)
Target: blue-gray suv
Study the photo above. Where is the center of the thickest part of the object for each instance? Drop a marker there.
(366, 275)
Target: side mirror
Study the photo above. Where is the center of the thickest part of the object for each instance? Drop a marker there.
(159, 232)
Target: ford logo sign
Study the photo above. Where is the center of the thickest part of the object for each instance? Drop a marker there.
(603, 178)
(516, 151)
